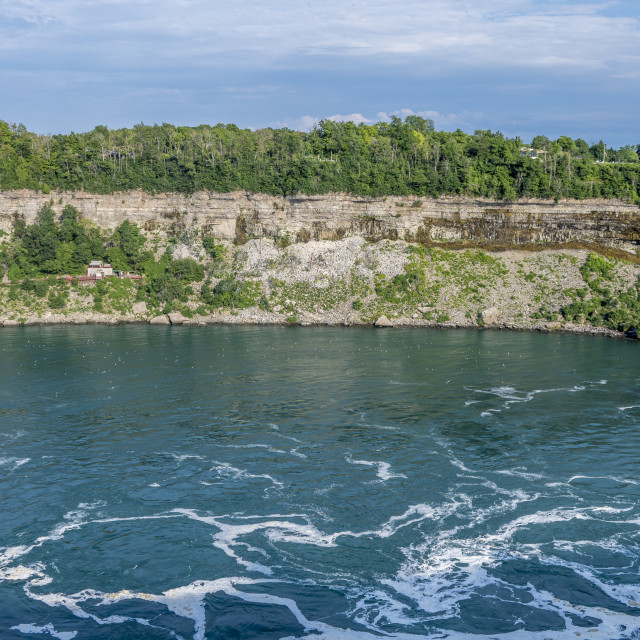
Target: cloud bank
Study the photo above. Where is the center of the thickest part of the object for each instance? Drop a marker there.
(256, 62)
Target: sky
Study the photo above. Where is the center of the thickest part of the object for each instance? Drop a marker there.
(522, 67)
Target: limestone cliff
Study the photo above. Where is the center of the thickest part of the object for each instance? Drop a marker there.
(449, 220)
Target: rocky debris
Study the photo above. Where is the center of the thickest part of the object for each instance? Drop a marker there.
(160, 320)
(383, 321)
(177, 318)
(139, 308)
(553, 326)
(489, 316)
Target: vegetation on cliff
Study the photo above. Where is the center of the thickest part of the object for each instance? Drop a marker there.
(350, 280)
(388, 158)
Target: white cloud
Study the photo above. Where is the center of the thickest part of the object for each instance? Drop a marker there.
(286, 33)
(356, 118)
(306, 123)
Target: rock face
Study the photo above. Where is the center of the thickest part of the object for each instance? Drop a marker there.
(490, 316)
(139, 308)
(451, 220)
(161, 320)
(383, 321)
(177, 318)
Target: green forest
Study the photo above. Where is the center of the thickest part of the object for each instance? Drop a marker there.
(399, 157)
(35, 253)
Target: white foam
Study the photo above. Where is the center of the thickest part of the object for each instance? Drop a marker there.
(72, 520)
(633, 406)
(225, 470)
(518, 472)
(442, 572)
(13, 462)
(458, 463)
(384, 468)
(181, 457)
(290, 438)
(47, 629)
(20, 572)
(512, 396)
(253, 446)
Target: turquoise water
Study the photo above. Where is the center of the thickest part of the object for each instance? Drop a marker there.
(244, 482)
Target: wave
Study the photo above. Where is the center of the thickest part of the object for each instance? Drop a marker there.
(384, 468)
(511, 395)
(227, 471)
(439, 574)
(14, 463)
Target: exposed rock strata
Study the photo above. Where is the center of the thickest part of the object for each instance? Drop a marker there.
(239, 216)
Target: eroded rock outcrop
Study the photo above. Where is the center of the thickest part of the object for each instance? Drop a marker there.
(450, 220)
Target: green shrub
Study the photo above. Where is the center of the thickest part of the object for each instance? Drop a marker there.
(217, 252)
(58, 301)
(41, 288)
(28, 285)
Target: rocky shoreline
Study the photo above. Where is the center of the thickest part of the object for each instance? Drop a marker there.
(357, 282)
(271, 319)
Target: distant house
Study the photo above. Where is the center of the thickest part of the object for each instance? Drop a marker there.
(99, 270)
(530, 152)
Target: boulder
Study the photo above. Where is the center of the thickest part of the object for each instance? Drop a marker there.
(554, 326)
(139, 307)
(383, 321)
(10, 323)
(162, 320)
(176, 318)
(489, 316)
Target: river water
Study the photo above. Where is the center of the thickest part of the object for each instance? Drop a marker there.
(260, 482)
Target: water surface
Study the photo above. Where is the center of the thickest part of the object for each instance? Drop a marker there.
(245, 482)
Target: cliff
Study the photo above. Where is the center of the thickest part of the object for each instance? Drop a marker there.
(341, 259)
(453, 221)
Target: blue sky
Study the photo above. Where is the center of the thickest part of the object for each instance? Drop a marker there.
(524, 67)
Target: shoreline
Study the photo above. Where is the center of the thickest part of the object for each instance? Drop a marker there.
(269, 320)
(355, 282)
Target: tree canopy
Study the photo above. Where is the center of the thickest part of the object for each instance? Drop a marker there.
(399, 157)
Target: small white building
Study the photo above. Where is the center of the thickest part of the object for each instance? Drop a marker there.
(99, 270)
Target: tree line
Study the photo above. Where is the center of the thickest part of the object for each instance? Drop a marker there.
(399, 157)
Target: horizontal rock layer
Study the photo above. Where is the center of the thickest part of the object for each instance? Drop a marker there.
(452, 220)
